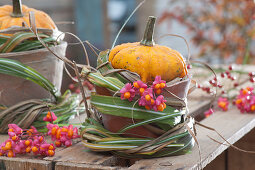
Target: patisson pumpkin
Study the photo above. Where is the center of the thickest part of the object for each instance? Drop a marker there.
(17, 14)
(148, 59)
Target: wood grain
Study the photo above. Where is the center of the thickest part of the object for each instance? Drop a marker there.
(24, 164)
(80, 155)
(232, 125)
(68, 166)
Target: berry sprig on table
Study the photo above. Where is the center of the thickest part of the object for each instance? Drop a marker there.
(244, 101)
(25, 141)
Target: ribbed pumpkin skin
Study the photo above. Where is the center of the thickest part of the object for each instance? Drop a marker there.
(42, 19)
(148, 61)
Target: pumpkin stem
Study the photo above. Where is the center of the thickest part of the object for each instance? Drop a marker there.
(148, 33)
(17, 9)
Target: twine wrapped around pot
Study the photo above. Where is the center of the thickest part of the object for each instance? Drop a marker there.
(127, 136)
(123, 127)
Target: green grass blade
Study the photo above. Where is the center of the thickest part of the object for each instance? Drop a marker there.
(32, 45)
(117, 107)
(99, 80)
(16, 39)
(16, 68)
(158, 119)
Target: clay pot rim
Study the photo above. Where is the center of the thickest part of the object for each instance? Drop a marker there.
(5, 55)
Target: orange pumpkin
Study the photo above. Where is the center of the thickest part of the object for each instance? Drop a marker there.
(148, 59)
(17, 14)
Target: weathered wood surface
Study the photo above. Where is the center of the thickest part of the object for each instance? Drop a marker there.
(81, 155)
(232, 125)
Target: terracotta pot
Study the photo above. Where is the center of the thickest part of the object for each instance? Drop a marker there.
(179, 89)
(15, 89)
(115, 123)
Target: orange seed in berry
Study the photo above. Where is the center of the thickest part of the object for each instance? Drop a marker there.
(148, 97)
(141, 90)
(157, 86)
(53, 131)
(127, 95)
(160, 107)
(152, 102)
(136, 85)
(27, 142)
(28, 149)
(158, 91)
(8, 145)
(51, 147)
(147, 107)
(34, 149)
(10, 154)
(162, 85)
(51, 152)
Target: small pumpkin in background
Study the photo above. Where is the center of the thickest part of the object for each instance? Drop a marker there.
(17, 14)
(148, 59)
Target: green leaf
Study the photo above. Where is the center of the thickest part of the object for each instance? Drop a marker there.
(16, 39)
(117, 107)
(154, 120)
(16, 68)
(30, 45)
(99, 80)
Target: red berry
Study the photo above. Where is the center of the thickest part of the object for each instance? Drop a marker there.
(227, 72)
(220, 86)
(252, 79)
(208, 89)
(230, 67)
(71, 86)
(251, 74)
(222, 75)
(215, 79)
(223, 92)
(77, 90)
(229, 76)
(236, 84)
(189, 66)
(233, 78)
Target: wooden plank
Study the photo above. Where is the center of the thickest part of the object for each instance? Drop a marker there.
(20, 163)
(198, 103)
(232, 125)
(80, 155)
(239, 160)
(68, 166)
(218, 163)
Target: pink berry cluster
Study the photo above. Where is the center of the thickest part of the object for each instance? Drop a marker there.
(62, 135)
(25, 141)
(149, 97)
(245, 101)
(74, 86)
(209, 112)
(223, 103)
